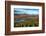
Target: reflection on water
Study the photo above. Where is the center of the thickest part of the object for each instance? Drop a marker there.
(19, 20)
(22, 20)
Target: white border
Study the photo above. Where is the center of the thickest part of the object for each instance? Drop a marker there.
(25, 28)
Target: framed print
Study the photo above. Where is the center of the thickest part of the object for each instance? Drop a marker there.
(24, 17)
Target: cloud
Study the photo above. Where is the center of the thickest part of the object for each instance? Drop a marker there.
(26, 11)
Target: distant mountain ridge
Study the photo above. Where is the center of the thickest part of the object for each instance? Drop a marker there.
(25, 16)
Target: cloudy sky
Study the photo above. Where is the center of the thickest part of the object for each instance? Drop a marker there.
(26, 11)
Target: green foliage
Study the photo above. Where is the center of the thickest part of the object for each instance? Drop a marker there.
(26, 23)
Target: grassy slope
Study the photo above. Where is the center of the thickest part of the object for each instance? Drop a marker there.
(26, 23)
